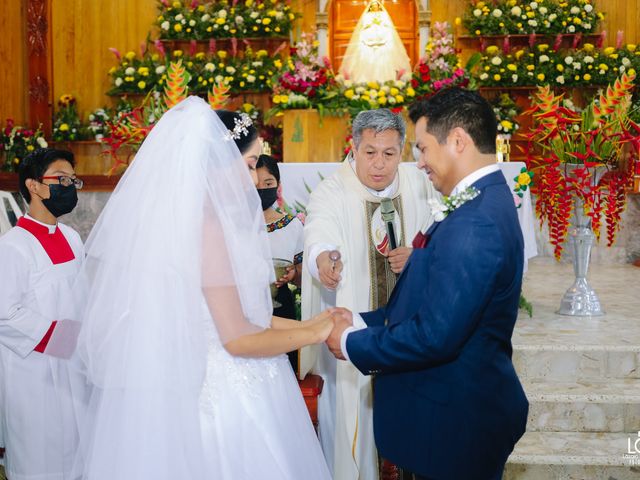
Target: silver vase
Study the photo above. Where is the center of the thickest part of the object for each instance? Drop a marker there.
(580, 299)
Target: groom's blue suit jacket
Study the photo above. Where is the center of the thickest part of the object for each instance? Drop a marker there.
(447, 401)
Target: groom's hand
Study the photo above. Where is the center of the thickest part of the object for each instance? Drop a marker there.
(342, 319)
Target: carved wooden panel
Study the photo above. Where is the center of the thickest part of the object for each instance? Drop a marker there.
(39, 63)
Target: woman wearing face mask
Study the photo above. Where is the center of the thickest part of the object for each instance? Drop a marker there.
(186, 361)
(285, 237)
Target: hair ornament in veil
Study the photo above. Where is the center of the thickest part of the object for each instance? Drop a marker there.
(241, 127)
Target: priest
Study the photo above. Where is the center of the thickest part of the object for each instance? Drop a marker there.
(40, 260)
(369, 211)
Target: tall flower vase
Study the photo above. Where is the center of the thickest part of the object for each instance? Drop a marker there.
(580, 299)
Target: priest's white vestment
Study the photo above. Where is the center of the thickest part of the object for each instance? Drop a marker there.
(337, 216)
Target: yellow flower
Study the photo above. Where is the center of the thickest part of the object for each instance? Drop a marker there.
(524, 179)
(177, 27)
(30, 148)
(531, 68)
(382, 93)
(222, 54)
(272, 13)
(248, 3)
(143, 71)
(609, 50)
(411, 92)
(141, 85)
(477, 32)
(399, 99)
(130, 55)
(266, 21)
(200, 55)
(506, 124)
(394, 91)
(176, 5)
(220, 21)
(631, 72)
(560, 67)
(588, 47)
(540, 77)
(587, 77)
(284, 98)
(458, 21)
(278, 63)
(277, 29)
(519, 54)
(177, 53)
(492, 50)
(64, 127)
(112, 70)
(382, 100)
(614, 56)
(373, 85)
(497, 77)
(512, 67)
(631, 47)
(603, 66)
(349, 94)
(276, 99)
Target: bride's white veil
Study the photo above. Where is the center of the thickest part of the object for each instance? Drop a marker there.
(184, 219)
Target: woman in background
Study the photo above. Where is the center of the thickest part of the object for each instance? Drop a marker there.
(285, 237)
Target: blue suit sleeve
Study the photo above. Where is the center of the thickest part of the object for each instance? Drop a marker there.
(459, 278)
(375, 318)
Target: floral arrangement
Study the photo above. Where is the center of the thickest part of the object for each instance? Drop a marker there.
(506, 111)
(441, 66)
(306, 78)
(141, 75)
(98, 125)
(223, 19)
(510, 17)
(524, 181)
(136, 74)
(130, 128)
(66, 122)
(543, 65)
(569, 151)
(16, 142)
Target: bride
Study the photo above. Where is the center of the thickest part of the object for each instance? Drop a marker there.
(185, 363)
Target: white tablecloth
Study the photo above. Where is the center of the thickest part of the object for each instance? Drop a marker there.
(298, 179)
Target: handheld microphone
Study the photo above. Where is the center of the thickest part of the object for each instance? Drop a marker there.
(388, 211)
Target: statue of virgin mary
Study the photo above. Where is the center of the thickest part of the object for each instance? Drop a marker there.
(375, 51)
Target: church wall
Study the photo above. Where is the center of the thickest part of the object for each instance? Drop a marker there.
(82, 33)
(13, 68)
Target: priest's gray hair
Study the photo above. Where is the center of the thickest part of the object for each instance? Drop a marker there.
(378, 120)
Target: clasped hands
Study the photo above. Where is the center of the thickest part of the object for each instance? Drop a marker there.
(332, 323)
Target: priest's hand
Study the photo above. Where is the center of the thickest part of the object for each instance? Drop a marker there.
(342, 319)
(329, 270)
(398, 258)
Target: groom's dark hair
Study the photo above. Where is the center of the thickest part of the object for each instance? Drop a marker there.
(458, 107)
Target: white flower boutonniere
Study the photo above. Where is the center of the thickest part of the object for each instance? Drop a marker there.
(440, 209)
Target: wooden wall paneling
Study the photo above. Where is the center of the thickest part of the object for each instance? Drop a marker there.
(83, 31)
(13, 65)
(38, 48)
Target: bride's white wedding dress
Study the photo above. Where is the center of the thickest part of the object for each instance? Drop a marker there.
(182, 234)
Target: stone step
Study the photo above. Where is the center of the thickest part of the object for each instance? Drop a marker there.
(584, 407)
(576, 364)
(573, 455)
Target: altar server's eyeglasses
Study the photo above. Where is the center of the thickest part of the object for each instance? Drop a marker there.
(67, 181)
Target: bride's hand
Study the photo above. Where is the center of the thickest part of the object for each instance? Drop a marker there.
(322, 316)
(320, 327)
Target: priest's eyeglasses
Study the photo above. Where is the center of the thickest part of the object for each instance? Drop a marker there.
(66, 181)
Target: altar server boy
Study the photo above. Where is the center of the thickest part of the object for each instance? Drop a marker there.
(39, 261)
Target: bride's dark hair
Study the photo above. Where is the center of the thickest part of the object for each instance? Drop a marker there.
(229, 119)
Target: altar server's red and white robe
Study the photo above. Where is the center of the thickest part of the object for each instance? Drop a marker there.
(38, 266)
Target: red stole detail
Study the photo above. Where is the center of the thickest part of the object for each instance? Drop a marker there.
(421, 240)
(54, 244)
(45, 340)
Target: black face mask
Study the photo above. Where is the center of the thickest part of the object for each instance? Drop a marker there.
(268, 196)
(61, 200)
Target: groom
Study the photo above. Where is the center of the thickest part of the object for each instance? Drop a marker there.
(447, 401)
